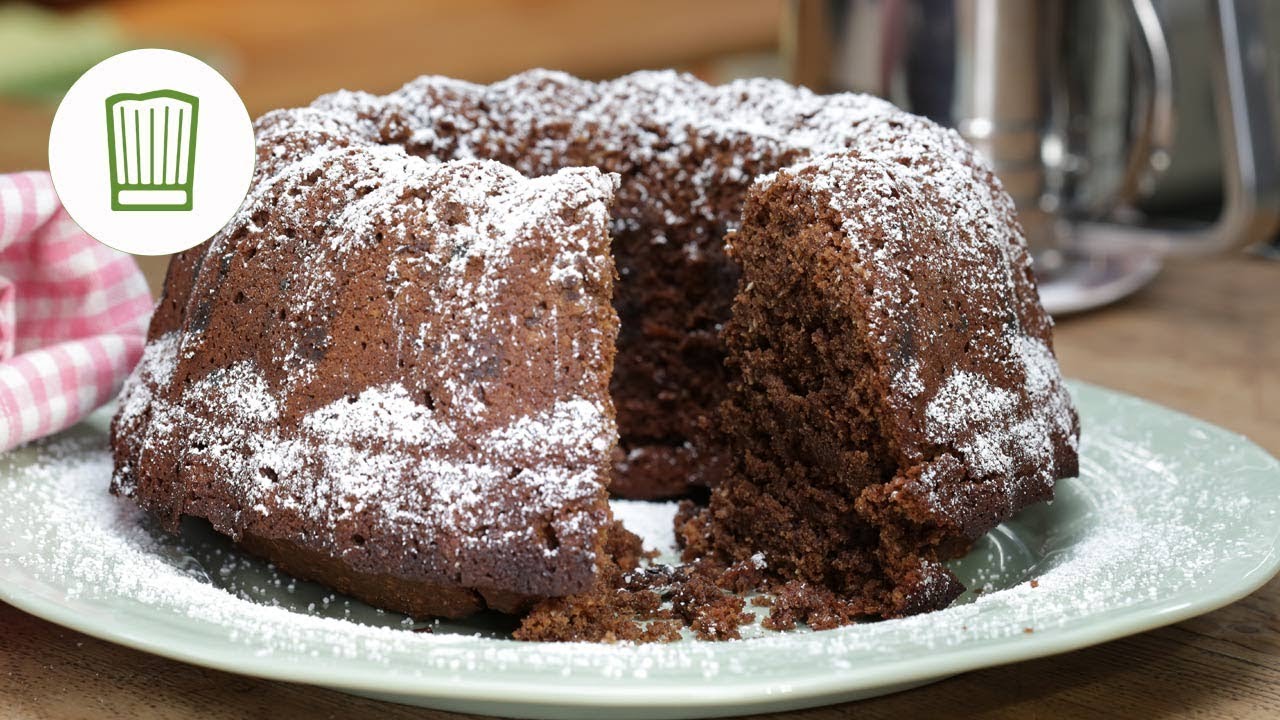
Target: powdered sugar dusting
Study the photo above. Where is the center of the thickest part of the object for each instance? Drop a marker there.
(154, 368)
(442, 467)
(562, 428)
(539, 121)
(652, 521)
(965, 400)
(385, 412)
(350, 456)
(933, 240)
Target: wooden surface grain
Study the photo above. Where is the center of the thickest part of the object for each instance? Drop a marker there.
(1203, 338)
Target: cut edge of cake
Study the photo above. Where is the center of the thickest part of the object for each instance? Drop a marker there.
(893, 395)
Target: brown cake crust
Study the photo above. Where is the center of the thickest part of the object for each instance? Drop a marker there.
(391, 376)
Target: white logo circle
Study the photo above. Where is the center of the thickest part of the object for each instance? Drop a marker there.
(151, 152)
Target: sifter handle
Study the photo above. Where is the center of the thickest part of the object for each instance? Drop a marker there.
(1245, 89)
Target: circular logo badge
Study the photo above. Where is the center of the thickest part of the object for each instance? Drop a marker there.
(151, 152)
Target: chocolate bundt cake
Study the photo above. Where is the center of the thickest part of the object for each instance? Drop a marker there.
(394, 371)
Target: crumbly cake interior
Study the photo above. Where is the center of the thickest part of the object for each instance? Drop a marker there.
(802, 416)
(892, 398)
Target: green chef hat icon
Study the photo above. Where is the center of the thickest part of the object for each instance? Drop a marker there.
(152, 149)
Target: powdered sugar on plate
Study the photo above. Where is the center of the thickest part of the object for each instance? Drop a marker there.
(652, 521)
(1170, 517)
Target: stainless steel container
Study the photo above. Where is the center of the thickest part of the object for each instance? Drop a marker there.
(1095, 114)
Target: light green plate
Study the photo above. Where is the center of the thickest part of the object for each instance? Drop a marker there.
(1171, 517)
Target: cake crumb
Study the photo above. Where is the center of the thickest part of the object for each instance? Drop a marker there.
(798, 602)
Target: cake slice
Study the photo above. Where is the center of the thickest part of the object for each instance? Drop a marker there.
(894, 393)
(391, 376)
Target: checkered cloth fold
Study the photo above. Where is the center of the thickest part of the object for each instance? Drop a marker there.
(73, 314)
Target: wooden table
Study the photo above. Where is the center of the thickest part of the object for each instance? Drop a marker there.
(1204, 338)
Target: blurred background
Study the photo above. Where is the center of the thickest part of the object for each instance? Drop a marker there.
(1129, 132)
(285, 53)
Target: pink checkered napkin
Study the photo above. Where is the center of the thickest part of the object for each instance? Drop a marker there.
(73, 314)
